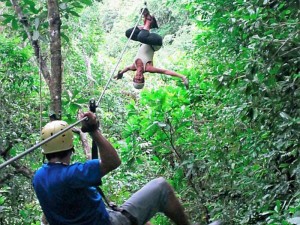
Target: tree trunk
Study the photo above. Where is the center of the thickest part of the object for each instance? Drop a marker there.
(56, 58)
(53, 79)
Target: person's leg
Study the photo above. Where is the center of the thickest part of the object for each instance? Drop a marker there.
(145, 37)
(152, 69)
(174, 209)
(134, 35)
(156, 196)
(150, 22)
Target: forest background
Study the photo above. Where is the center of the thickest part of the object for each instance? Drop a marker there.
(229, 145)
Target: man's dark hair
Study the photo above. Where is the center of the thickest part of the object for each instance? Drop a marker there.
(59, 154)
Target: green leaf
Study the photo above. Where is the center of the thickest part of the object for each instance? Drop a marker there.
(29, 2)
(73, 108)
(139, 160)
(8, 3)
(87, 2)
(74, 13)
(2, 200)
(284, 165)
(65, 37)
(33, 9)
(14, 24)
(281, 5)
(156, 159)
(278, 206)
(77, 5)
(8, 18)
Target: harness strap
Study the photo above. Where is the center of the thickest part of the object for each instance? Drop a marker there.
(130, 217)
(114, 207)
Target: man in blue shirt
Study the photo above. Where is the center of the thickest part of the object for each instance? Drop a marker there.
(67, 192)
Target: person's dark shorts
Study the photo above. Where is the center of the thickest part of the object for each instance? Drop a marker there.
(144, 36)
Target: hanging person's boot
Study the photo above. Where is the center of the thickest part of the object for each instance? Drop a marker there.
(153, 23)
(147, 16)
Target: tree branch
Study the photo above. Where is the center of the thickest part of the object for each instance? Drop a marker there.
(35, 43)
(84, 142)
(83, 138)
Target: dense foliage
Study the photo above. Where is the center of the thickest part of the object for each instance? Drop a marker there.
(229, 145)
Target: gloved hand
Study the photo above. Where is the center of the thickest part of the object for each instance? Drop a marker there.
(90, 124)
(119, 75)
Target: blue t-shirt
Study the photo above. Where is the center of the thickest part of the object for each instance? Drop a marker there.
(67, 193)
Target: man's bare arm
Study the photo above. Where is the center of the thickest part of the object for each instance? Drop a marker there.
(110, 159)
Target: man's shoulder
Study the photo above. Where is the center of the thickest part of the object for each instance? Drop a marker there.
(87, 165)
(88, 162)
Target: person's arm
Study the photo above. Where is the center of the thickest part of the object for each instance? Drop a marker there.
(108, 155)
(152, 69)
(121, 72)
(127, 68)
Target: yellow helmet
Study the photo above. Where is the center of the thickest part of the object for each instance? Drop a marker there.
(60, 143)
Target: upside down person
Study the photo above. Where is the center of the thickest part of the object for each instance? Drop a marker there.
(143, 62)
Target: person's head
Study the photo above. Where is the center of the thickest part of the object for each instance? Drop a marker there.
(139, 79)
(60, 146)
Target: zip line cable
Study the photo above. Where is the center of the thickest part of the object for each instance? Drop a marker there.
(9, 161)
(41, 83)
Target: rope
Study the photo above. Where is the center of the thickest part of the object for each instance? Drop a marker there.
(40, 74)
(82, 119)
